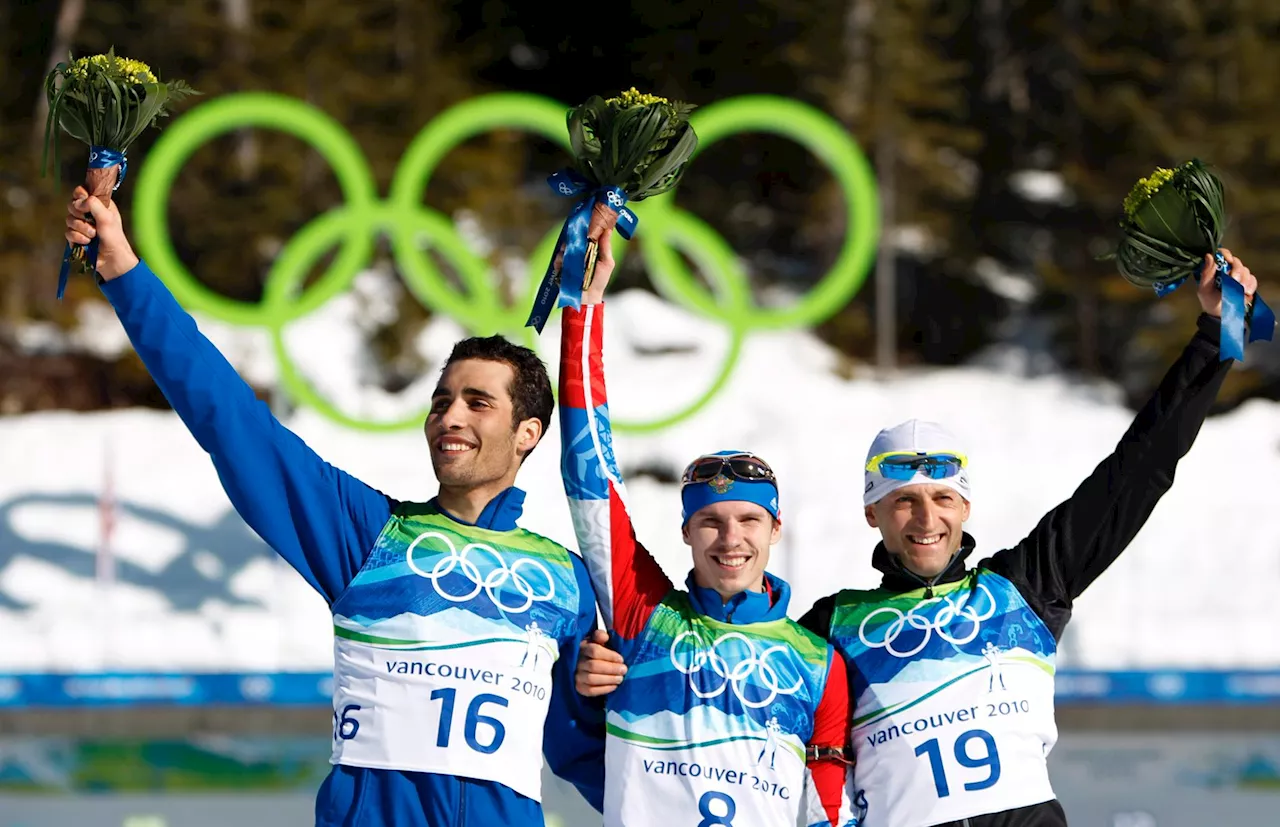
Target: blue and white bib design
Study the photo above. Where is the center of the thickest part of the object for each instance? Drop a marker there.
(953, 700)
(443, 647)
(709, 728)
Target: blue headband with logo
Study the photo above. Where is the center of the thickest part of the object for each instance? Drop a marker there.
(727, 488)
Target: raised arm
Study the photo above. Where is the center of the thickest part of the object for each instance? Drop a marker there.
(1079, 539)
(321, 520)
(629, 582)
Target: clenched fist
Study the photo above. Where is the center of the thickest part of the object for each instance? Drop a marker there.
(87, 219)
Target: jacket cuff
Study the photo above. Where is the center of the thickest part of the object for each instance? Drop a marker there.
(1209, 329)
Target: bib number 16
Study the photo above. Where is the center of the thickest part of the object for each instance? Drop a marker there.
(986, 757)
(471, 725)
(346, 724)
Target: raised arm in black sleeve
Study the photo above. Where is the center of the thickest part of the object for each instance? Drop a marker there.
(1079, 539)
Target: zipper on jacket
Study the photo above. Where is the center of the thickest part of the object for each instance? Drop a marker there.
(928, 584)
(462, 803)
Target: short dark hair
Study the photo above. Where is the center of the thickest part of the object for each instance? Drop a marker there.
(530, 387)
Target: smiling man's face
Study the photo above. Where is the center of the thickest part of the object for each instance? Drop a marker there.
(730, 541)
(471, 431)
(922, 525)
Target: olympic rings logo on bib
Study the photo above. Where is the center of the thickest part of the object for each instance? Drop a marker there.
(949, 610)
(669, 236)
(491, 583)
(692, 661)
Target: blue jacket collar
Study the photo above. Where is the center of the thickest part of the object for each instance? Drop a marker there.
(500, 513)
(745, 607)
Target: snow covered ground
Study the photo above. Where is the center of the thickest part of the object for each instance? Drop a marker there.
(194, 589)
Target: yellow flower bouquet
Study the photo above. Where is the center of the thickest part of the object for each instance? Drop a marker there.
(625, 148)
(1173, 218)
(106, 102)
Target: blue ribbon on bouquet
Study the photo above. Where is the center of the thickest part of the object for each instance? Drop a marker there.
(562, 287)
(1258, 319)
(99, 158)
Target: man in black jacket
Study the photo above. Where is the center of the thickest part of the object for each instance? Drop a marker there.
(951, 666)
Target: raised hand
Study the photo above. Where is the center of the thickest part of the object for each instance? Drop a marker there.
(1210, 294)
(604, 269)
(88, 218)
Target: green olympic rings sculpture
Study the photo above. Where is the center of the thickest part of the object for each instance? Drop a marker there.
(354, 226)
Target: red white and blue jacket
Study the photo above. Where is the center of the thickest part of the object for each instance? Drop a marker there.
(713, 687)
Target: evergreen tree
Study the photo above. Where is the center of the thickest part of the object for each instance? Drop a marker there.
(1155, 85)
(891, 70)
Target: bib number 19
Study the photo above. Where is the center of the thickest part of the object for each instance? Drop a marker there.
(987, 757)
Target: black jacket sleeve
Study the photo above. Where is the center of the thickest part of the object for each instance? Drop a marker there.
(818, 618)
(1079, 539)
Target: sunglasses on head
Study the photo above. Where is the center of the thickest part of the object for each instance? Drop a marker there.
(739, 466)
(903, 465)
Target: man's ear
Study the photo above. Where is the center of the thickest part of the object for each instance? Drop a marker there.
(870, 511)
(528, 435)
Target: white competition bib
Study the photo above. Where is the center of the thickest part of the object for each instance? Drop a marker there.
(758, 782)
(953, 707)
(443, 648)
(476, 711)
(709, 727)
(972, 748)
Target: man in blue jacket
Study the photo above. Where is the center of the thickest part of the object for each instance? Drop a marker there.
(441, 714)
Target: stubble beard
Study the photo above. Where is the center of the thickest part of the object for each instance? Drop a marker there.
(483, 467)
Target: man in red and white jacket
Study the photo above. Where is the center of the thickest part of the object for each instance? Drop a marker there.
(731, 715)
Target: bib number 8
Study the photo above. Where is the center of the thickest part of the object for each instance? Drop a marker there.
(988, 758)
(710, 819)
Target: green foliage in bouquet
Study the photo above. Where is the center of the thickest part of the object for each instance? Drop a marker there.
(641, 143)
(1172, 219)
(106, 101)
